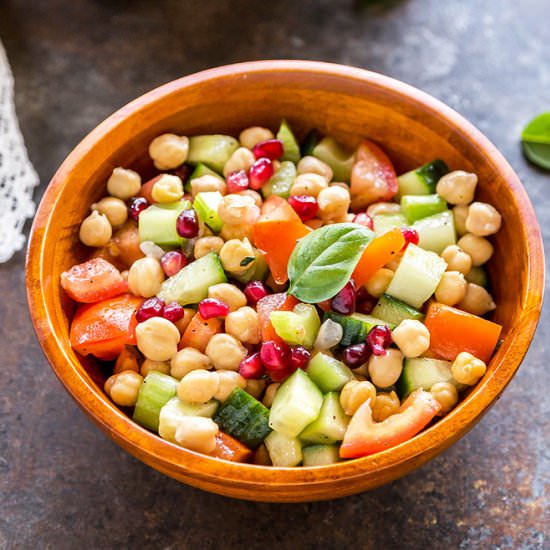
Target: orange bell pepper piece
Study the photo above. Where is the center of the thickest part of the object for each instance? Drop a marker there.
(228, 448)
(199, 331)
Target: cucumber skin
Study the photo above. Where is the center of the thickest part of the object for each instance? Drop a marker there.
(432, 172)
(393, 310)
(356, 326)
(417, 207)
(290, 145)
(423, 180)
(320, 455)
(309, 143)
(156, 390)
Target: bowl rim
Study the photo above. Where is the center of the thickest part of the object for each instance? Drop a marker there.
(195, 466)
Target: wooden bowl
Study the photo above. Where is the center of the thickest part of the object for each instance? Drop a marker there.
(346, 103)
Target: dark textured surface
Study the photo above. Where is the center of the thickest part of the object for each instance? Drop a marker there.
(63, 484)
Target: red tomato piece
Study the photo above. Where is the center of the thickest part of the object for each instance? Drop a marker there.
(146, 190)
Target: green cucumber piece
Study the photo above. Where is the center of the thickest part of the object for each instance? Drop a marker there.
(281, 182)
(478, 276)
(296, 404)
(392, 310)
(290, 145)
(157, 223)
(284, 451)
(356, 326)
(172, 413)
(436, 232)
(244, 418)
(384, 222)
(328, 373)
(157, 389)
(416, 207)
(331, 425)
(190, 285)
(298, 327)
(340, 160)
(417, 276)
(320, 455)
(206, 205)
(423, 180)
(213, 150)
(257, 271)
(309, 143)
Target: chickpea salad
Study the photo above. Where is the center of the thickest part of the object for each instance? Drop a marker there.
(285, 303)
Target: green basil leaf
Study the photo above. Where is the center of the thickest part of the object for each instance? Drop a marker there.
(324, 260)
(536, 140)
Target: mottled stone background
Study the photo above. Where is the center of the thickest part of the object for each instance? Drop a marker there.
(63, 484)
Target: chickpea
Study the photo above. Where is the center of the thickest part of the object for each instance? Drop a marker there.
(354, 394)
(457, 187)
(127, 360)
(483, 219)
(207, 183)
(95, 230)
(254, 135)
(255, 387)
(230, 232)
(446, 395)
(313, 165)
(205, 245)
(123, 183)
(467, 369)
(384, 406)
(451, 288)
(167, 188)
(385, 370)
(169, 151)
(225, 351)
(477, 300)
(187, 360)
(254, 195)
(378, 208)
(478, 248)
(145, 277)
(238, 210)
(157, 338)
(394, 263)
(241, 159)
(148, 365)
(308, 184)
(183, 323)
(457, 259)
(412, 337)
(333, 203)
(460, 213)
(269, 395)
(314, 223)
(115, 210)
(229, 294)
(123, 388)
(197, 433)
(234, 256)
(362, 372)
(244, 324)
(379, 282)
(198, 386)
(228, 381)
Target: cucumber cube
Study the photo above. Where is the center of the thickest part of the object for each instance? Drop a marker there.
(157, 389)
(478, 276)
(157, 223)
(206, 205)
(320, 455)
(423, 180)
(331, 425)
(281, 182)
(328, 373)
(213, 150)
(356, 326)
(298, 327)
(203, 170)
(416, 207)
(172, 413)
(384, 222)
(394, 311)
(284, 451)
(290, 145)
(341, 161)
(436, 232)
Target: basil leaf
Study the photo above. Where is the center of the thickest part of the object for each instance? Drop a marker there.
(536, 140)
(324, 260)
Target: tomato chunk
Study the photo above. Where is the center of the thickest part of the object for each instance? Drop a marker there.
(228, 448)
(199, 331)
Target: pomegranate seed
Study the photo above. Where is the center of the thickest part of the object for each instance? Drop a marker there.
(251, 367)
(305, 206)
(137, 206)
(270, 148)
(183, 172)
(354, 356)
(364, 302)
(237, 181)
(410, 235)
(364, 219)
(152, 307)
(274, 355)
(173, 312)
(344, 301)
(187, 224)
(172, 262)
(260, 172)
(254, 292)
(379, 338)
(212, 307)
(299, 357)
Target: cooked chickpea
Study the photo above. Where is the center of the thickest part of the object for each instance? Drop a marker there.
(308, 184)
(238, 210)
(95, 230)
(333, 203)
(187, 360)
(123, 388)
(254, 135)
(478, 248)
(225, 351)
(228, 381)
(229, 294)
(385, 405)
(241, 159)
(157, 338)
(207, 183)
(244, 325)
(254, 195)
(169, 151)
(412, 337)
(483, 219)
(269, 394)
(446, 395)
(394, 263)
(205, 245)
(183, 323)
(477, 300)
(354, 394)
(198, 386)
(127, 360)
(197, 433)
(467, 369)
(240, 232)
(149, 365)
(457, 187)
(115, 210)
(255, 387)
(167, 188)
(234, 256)
(123, 183)
(451, 288)
(457, 259)
(385, 370)
(145, 277)
(460, 213)
(383, 208)
(379, 282)
(313, 165)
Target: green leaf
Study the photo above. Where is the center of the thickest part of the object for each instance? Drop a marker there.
(324, 260)
(536, 140)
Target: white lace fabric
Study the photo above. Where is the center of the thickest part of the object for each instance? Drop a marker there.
(17, 175)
